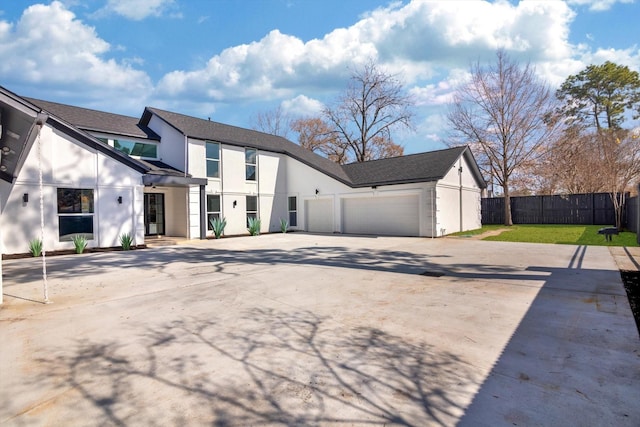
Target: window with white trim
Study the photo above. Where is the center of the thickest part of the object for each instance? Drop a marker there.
(293, 211)
(213, 159)
(75, 213)
(251, 163)
(213, 209)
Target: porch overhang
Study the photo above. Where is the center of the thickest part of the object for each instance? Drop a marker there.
(171, 181)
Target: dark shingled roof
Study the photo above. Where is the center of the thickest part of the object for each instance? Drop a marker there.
(97, 121)
(213, 131)
(422, 167)
(157, 167)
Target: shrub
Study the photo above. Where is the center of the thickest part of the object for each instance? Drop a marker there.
(218, 226)
(126, 241)
(80, 242)
(35, 247)
(284, 224)
(254, 226)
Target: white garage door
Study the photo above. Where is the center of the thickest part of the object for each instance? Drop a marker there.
(391, 216)
(319, 215)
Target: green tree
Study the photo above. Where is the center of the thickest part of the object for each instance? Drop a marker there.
(600, 95)
(596, 103)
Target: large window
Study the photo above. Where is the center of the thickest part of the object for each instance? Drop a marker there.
(75, 213)
(293, 211)
(213, 209)
(252, 207)
(251, 163)
(138, 149)
(213, 159)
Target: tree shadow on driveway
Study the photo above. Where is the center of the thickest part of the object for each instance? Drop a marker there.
(269, 368)
(29, 269)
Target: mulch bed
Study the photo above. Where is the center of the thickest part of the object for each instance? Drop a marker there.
(71, 252)
(631, 280)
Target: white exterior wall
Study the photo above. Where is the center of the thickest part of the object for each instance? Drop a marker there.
(303, 181)
(68, 164)
(272, 184)
(171, 149)
(269, 187)
(458, 195)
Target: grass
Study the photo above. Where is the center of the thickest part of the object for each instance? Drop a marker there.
(477, 231)
(558, 234)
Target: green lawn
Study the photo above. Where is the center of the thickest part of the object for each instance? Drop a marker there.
(560, 234)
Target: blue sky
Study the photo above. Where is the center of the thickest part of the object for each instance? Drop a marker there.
(230, 60)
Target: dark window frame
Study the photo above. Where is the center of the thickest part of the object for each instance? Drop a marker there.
(75, 209)
(251, 164)
(293, 210)
(137, 148)
(211, 212)
(211, 160)
(251, 213)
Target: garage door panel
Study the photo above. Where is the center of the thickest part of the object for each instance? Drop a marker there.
(319, 215)
(393, 216)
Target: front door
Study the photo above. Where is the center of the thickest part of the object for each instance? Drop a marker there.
(153, 214)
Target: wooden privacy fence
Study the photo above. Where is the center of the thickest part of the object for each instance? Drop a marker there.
(583, 209)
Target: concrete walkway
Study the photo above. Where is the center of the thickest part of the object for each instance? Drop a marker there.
(302, 329)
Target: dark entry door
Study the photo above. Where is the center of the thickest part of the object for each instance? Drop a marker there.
(153, 214)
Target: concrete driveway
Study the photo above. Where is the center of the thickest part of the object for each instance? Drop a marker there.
(302, 329)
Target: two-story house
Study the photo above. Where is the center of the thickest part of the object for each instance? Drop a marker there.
(102, 174)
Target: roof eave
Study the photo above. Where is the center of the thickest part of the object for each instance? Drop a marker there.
(397, 182)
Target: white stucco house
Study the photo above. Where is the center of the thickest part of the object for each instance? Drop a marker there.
(166, 173)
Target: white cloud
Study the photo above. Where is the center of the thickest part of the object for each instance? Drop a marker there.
(49, 47)
(136, 10)
(598, 5)
(420, 41)
(303, 106)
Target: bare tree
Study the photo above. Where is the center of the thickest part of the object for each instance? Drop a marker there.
(274, 122)
(316, 135)
(572, 165)
(503, 112)
(620, 157)
(596, 103)
(363, 118)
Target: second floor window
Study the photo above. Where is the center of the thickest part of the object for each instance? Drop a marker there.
(213, 159)
(251, 163)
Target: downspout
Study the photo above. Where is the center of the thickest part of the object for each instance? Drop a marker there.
(203, 213)
(40, 121)
(188, 195)
(460, 178)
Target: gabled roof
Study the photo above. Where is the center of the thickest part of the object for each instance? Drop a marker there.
(68, 128)
(422, 167)
(209, 130)
(97, 121)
